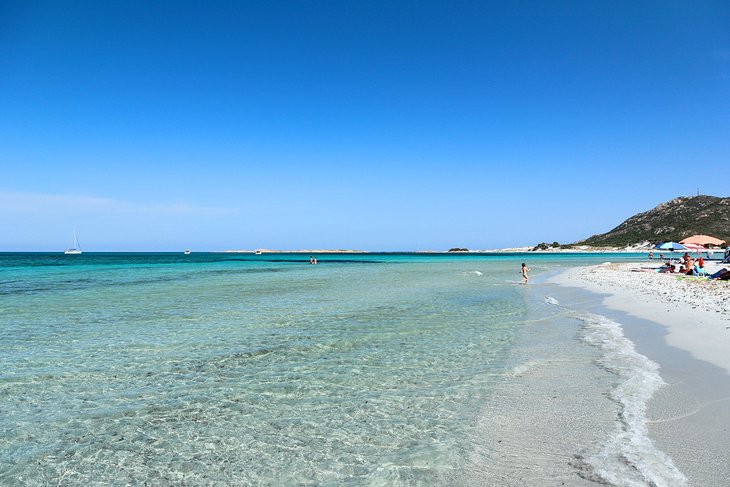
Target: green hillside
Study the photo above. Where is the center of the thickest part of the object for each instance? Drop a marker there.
(674, 220)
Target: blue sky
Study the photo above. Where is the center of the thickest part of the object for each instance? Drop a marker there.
(367, 125)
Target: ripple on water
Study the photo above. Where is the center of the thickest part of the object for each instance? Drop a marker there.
(354, 374)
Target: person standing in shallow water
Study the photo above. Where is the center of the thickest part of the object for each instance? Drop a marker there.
(524, 273)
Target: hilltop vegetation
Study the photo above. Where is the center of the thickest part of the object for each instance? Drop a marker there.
(671, 221)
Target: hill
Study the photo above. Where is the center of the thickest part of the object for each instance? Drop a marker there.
(671, 221)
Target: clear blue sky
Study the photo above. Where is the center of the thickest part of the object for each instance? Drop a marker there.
(370, 125)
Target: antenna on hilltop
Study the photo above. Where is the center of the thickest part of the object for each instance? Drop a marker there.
(698, 191)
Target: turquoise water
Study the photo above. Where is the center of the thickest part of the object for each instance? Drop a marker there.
(239, 369)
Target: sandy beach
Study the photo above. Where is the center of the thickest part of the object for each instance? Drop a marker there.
(696, 311)
(682, 324)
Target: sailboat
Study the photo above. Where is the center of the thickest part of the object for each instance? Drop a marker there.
(76, 248)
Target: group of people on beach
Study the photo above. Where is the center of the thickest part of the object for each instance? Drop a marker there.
(312, 260)
(687, 266)
(694, 267)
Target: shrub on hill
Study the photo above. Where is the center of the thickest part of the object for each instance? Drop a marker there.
(552, 246)
(671, 221)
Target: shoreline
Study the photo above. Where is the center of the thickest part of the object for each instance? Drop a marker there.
(713, 254)
(687, 417)
(695, 312)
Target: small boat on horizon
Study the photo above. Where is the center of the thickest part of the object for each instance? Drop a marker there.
(76, 248)
(186, 252)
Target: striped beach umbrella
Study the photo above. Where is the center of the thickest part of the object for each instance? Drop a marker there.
(671, 246)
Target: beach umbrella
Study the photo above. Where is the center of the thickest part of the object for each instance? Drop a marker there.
(702, 240)
(671, 246)
(692, 247)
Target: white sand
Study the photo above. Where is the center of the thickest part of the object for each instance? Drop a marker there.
(688, 418)
(696, 312)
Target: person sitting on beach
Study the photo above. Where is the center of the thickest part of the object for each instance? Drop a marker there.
(668, 268)
(721, 275)
(699, 269)
(689, 265)
(682, 270)
(686, 260)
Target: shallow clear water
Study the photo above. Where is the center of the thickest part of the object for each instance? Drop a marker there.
(241, 369)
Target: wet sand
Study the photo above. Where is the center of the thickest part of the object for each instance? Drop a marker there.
(681, 324)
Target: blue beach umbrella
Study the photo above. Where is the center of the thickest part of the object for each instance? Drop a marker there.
(671, 246)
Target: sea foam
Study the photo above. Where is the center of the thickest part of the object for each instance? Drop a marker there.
(630, 457)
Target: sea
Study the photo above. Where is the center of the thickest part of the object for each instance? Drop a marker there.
(364, 369)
